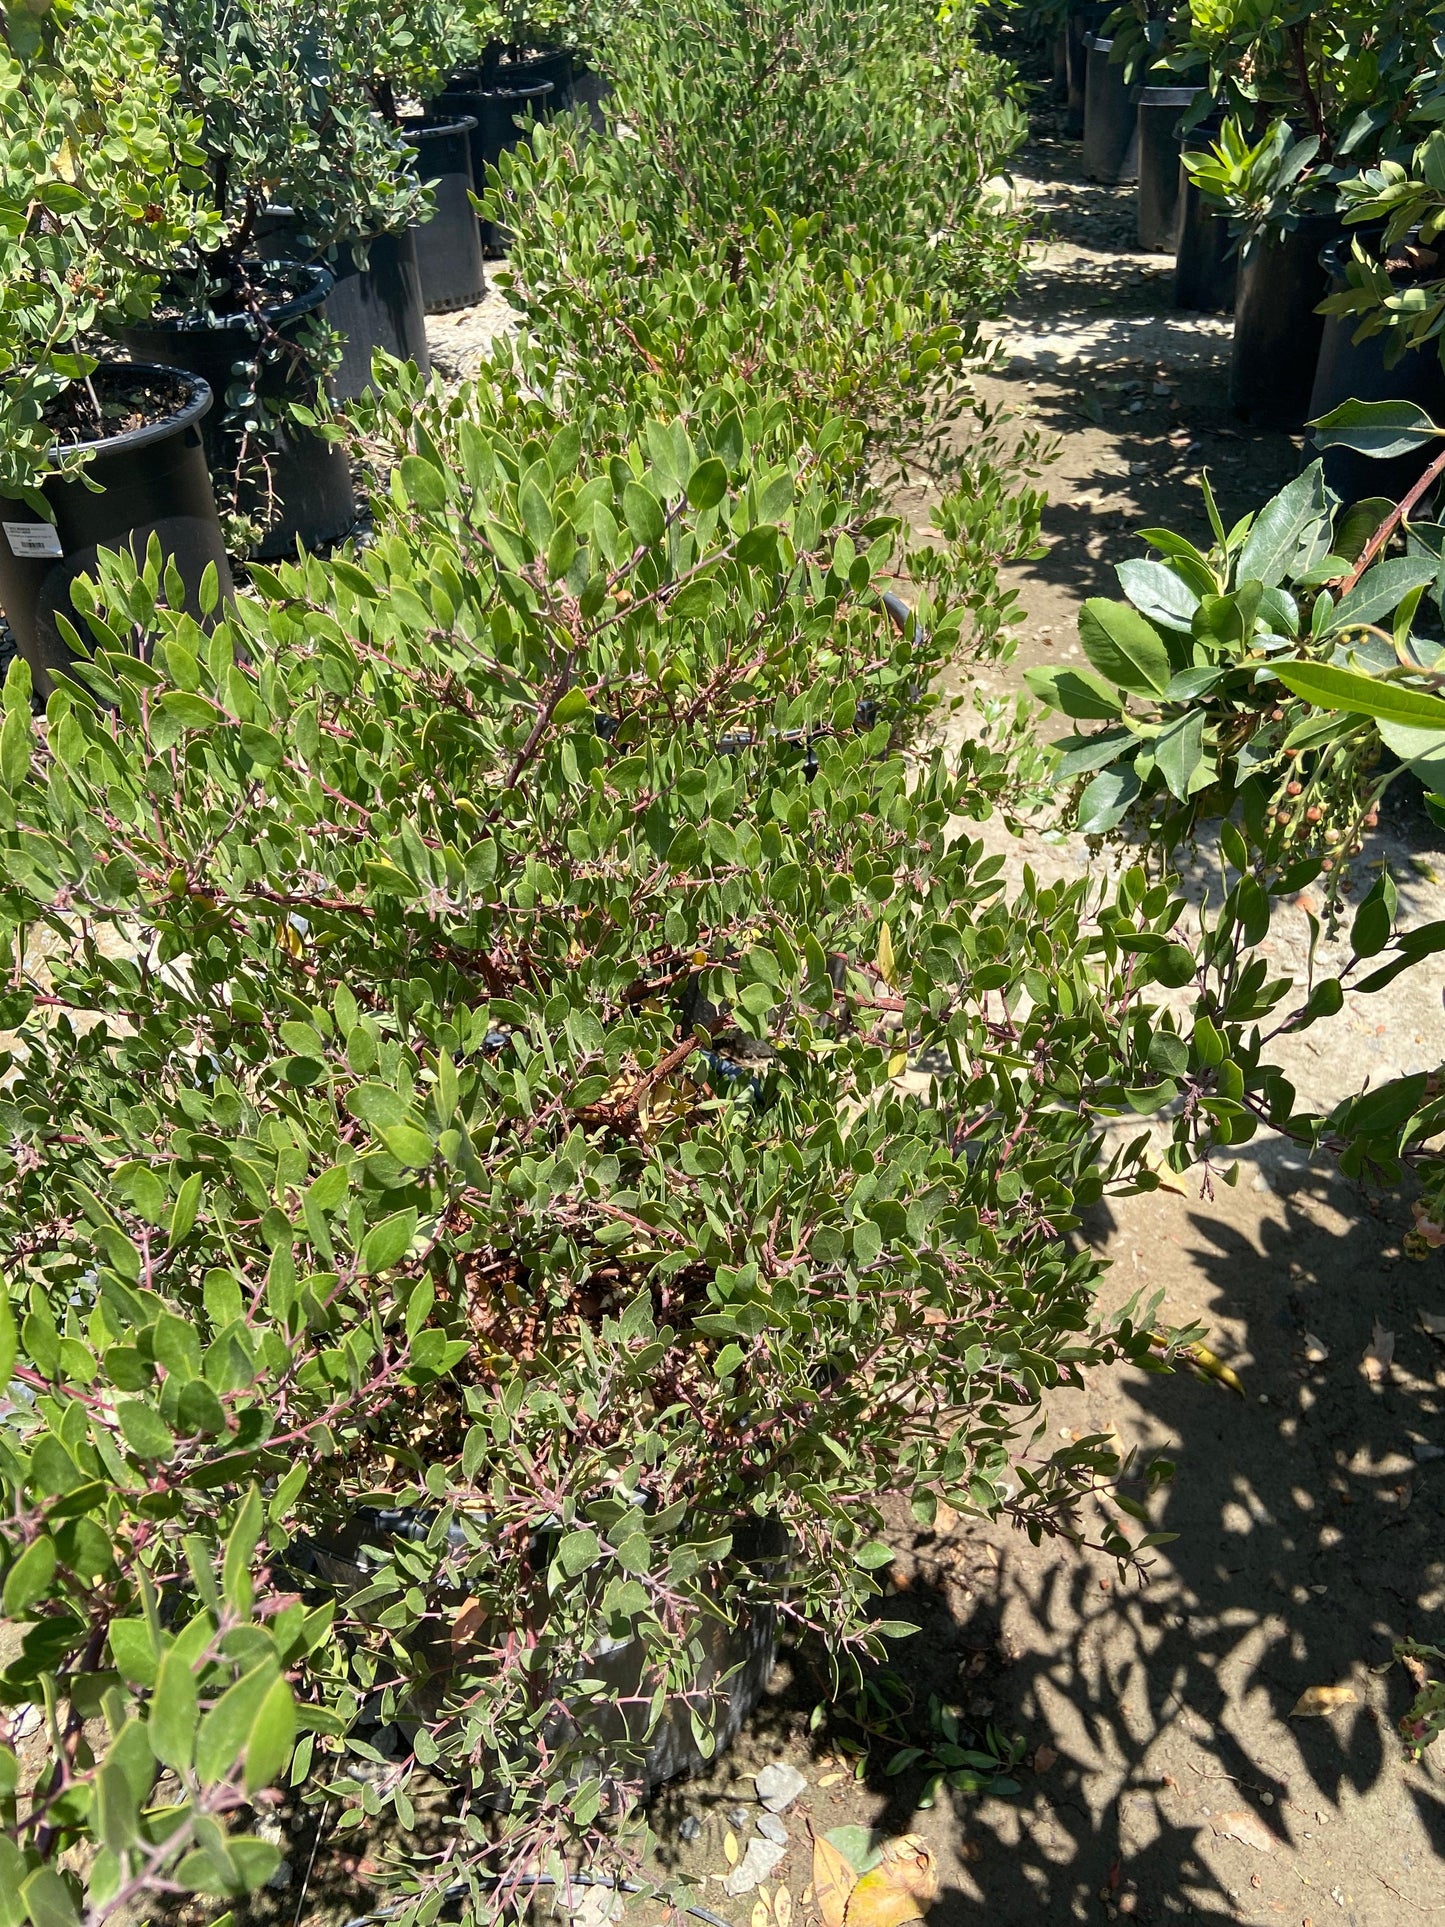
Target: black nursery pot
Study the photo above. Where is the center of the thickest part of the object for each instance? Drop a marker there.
(375, 305)
(1276, 328)
(1355, 371)
(153, 480)
(1083, 22)
(1160, 112)
(449, 245)
(499, 114)
(1111, 121)
(554, 68)
(1206, 260)
(303, 491)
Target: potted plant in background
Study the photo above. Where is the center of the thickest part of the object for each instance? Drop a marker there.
(97, 164)
(1313, 95)
(400, 55)
(518, 66)
(283, 125)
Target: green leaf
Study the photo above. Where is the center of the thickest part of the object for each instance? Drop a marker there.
(236, 1587)
(1079, 754)
(1382, 429)
(1381, 590)
(1159, 593)
(378, 1105)
(1106, 799)
(1359, 695)
(173, 1712)
(409, 1146)
(47, 1900)
(15, 748)
(146, 1432)
(1077, 693)
(578, 1550)
(133, 1650)
(643, 514)
(387, 1243)
(272, 1736)
(29, 1578)
(1123, 647)
(1179, 753)
(1298, 514)
(707, 484)
(423, 483)
(223, 1732)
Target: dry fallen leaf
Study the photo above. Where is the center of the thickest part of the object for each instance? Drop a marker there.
(730, 1848)
(1381, 1350)
(1244, 1827)
(901, 1887)
(783, 1907)
(1315, 1701)
(833, 1880)
(761, 1915)
(832, 1779)
(1434, 1323)
(1044, 1758)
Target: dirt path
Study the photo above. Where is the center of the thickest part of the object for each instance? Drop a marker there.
(1166, 1779)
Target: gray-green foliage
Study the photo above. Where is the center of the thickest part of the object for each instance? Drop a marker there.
(454, 1064)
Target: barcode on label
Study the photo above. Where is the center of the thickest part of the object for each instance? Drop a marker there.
(32, 538)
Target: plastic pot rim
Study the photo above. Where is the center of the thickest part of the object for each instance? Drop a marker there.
(198, 399)
(316, 283)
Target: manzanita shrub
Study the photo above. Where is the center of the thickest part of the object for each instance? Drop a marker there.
(835, 253)
(463, 1179)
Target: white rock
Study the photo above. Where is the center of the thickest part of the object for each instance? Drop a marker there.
(779, 1785)
(772, 1828)
(756, 1864)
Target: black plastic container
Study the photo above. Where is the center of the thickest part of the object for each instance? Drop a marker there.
(1111, 120)
(449, 245)
(1276, 327)
(1206, 260)
(375, 303)
(500, 116)
(297, 485)
(152, 480)
(1082, 22)
(1355, 371)
(556, 68)
(1160, 111)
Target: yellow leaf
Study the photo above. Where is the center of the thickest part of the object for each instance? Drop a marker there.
(833, 1880)
(64, 163)
(831, 1779)
(898, 1064)
(761, 1916)
(887, 968)
(901, 1887)
(783, 1908)
(730, 1848)
(1315, 1701)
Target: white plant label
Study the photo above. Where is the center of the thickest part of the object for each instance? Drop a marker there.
(32, 538)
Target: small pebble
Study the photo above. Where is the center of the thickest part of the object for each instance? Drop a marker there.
(690, 1829)
(779, 1785)
(739, 1817)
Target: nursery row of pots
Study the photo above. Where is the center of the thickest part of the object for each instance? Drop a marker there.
(1290, 363)
(185, 428)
